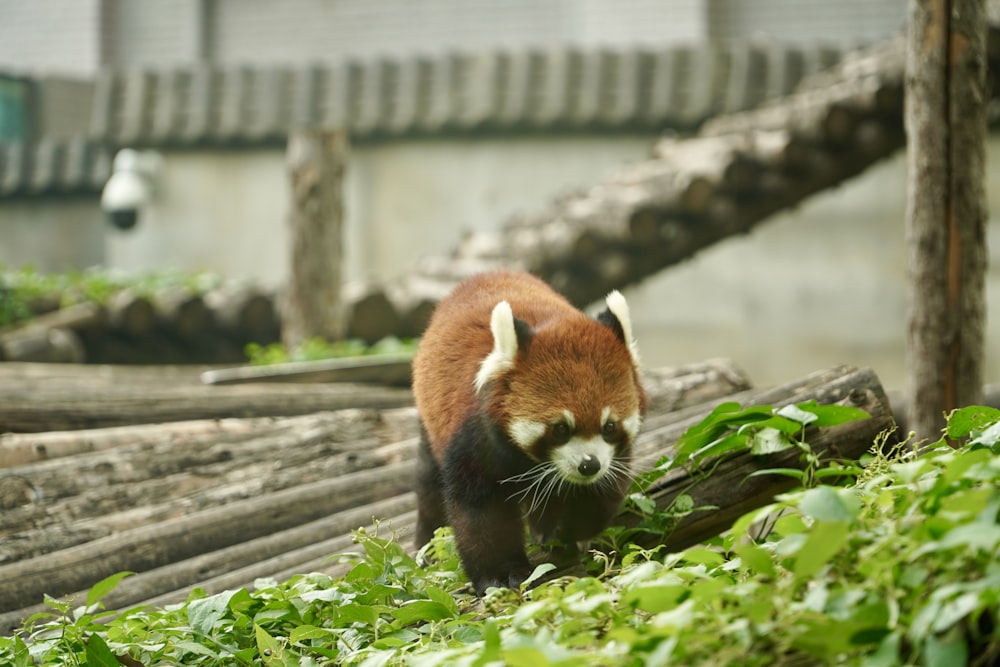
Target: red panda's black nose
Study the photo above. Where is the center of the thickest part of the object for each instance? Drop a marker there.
(589, 466)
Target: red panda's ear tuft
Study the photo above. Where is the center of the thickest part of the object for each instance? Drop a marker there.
(509, 335)
(617, 318)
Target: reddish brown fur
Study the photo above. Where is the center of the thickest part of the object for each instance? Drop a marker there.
(458, 338)
(467, 456)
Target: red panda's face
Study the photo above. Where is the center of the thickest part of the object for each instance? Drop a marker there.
(573, 402)
(567, 394)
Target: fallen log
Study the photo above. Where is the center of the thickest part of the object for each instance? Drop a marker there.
(29, 406)
(295, 550)
(121, 489)
(24, 583)
(245, 313)
(131, 313)
(316, 557)
(91, 483)
(384, 369)
(52, 337)
(731, 491)
(184, 314)
(173, 541)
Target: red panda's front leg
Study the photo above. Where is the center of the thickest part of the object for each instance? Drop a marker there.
(490, 540)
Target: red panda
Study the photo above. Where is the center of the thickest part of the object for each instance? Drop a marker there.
(528, 409)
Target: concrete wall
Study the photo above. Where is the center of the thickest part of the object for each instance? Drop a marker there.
(404, 199)
(61, 235)
(293, 31)
(61, 36)
(806, 21)
(817, 286)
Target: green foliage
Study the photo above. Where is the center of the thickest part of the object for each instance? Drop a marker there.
(317, 348)
(19, 289)
(731, 429)
(899, 567)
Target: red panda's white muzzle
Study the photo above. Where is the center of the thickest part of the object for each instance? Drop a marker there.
(583, 460)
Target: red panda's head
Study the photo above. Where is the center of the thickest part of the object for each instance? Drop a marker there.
(566, 391)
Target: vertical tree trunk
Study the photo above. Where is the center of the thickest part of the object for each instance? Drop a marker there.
(312, 307)
(946, 210)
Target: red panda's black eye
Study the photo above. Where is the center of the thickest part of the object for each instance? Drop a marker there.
(609, 430)
(561, 430)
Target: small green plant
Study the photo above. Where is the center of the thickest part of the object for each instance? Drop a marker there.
(730, 429)
(22, 288)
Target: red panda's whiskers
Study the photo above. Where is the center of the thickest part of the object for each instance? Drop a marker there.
(542, 480)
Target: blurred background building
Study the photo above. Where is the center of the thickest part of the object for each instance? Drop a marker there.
(462, 114)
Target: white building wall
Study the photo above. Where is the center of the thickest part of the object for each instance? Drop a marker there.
(54, 36)
(293, 31)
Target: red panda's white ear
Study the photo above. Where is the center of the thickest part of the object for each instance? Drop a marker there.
(618, 307)
(506, 340)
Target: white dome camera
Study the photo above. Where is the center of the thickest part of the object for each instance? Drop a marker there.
(130, 187)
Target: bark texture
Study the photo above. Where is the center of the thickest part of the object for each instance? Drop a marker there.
(946, 64)
(219, 503)
(312, 308)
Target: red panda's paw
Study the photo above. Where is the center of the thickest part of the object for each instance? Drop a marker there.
(511, 579)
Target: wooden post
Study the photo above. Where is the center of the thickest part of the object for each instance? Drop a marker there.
(946, 212)
(312, 304)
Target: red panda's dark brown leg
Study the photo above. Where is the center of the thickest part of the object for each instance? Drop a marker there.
(430, 501)
(490, 540)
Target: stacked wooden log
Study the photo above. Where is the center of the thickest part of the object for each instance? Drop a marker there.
(172, 326)
(218, 502)
(734, 173)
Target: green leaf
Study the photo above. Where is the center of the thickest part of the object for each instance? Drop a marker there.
(702, 556)
(270, 649)
(975, 536)
(822, 543)
(105, 586)
(794, 473)
(833, 415)
(948, 651)
(190, 646)
(536, 574)
(98, 653)
(656, 598)
(825, 503)
(989, 438)
(962, 462)
(525, 656)
(303, 633)
(887, 654)
(357, 613)
(443, 598)
(421, 611)
(769, 440)
(756, 558)
(964, 421)
(204, 613)
(719, 446)
(795, 413)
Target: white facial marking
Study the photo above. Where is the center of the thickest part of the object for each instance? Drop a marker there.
(525, 432)
(631, 425)
(619, 308)
(567, 459)
(504, 345)
(570, 419)
(605, 414)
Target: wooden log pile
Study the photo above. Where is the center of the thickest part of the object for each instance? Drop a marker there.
(173, 326)
(216, 502)
(737, 171)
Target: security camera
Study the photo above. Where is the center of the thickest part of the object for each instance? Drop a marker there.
(130, 187)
